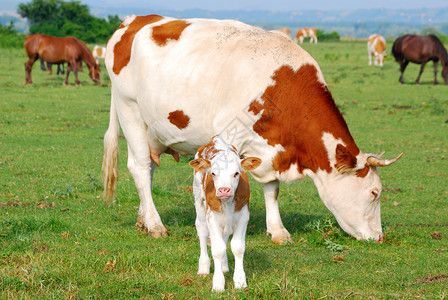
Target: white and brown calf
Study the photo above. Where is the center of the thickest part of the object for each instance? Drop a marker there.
(376, 47)
(99, 52)
(221, 193)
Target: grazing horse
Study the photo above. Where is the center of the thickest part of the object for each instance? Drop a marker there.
(420, 50)
(60, 50)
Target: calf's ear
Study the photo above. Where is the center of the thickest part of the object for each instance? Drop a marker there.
(250, 163)
(200, 164)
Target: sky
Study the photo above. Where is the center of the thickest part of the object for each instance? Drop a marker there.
(279, 5)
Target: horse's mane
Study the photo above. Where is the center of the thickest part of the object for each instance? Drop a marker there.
(86, 52)
(439, 48)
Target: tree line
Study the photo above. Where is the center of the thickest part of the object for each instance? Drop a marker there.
(60, 18)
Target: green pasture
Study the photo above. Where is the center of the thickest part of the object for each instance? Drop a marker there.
(59, 240)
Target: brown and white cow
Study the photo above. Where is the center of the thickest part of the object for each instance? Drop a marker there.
(305, 33)
(99, 52)
(177, 83)
(221, 198)
(376, 47)
(284, 31)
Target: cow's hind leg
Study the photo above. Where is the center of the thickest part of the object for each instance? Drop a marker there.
(273, 220)
(140, 166)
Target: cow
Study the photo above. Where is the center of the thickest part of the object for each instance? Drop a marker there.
(376, 47)
(221, 198)
(99, 52)
(177, 83)
(284, 31)
(305, 33)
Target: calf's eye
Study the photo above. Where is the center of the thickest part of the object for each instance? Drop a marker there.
(236, 174)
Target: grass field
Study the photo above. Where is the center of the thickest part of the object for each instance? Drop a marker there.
(59, 240)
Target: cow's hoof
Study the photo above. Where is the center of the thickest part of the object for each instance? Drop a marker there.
(282, 240)
(157, 232)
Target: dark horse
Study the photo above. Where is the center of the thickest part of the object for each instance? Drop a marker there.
(59, 50)
(61, 69)
(420, 50)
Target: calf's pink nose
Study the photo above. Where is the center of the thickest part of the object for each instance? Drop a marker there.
(224, 192)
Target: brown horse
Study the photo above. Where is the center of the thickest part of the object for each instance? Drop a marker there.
(60, 50)
(420, 50)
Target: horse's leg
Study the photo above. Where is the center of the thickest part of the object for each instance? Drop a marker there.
(420, 73)
(50, 68)
(74, 66)
(66, 75)
(274, 223)
(29, 68)
(435, 72)
(42, 65)
(403, 65)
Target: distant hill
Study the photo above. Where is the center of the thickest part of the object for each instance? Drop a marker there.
(348, 23)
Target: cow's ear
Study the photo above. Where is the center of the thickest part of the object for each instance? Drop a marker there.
(345, 161)
(200, 164)
(250, 163)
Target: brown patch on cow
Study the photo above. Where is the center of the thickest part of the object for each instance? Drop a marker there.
(99, 51)
(211, 200)
(256, 107)
(122, 49)
(297, 110)
(242, 193)
(363, 172)
(171, 30)
(179, 119)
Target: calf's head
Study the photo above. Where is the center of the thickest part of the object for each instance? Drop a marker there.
(225, 169)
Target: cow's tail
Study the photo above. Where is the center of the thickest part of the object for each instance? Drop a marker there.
(109, 169)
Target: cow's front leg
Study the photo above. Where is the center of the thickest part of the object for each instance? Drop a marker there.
(273, 220)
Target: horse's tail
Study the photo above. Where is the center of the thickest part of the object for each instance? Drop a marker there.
(109, 169)
(396, 49)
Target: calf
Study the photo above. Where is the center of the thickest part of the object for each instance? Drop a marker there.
(221, 193)
(376, 47)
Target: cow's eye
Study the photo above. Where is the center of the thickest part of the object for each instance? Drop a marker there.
(375, 193)
(236, 174)
(213, 174)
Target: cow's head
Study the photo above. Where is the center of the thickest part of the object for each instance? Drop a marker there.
(352, 190)
(225, 169)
